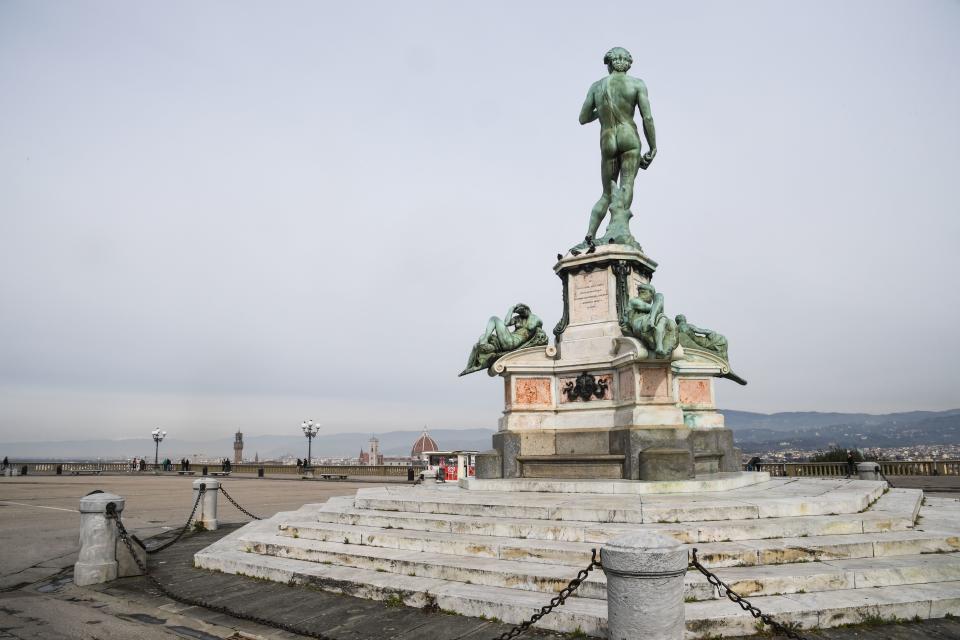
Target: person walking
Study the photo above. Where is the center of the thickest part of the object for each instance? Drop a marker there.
(6, 463)
(851, 464)
(299, 465)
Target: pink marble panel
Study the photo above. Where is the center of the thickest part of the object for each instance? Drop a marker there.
(533, 391)
(653, 382)
(694, 391)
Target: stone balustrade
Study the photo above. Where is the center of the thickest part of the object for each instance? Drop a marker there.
(833, 469)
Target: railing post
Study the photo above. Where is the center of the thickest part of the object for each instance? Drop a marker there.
(644, 587)
(97, 561)
(207, 509)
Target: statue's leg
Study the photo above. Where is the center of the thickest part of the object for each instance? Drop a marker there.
(658, 331)
(491, 328)
(507, 339)
(609, 167)
(629, 163)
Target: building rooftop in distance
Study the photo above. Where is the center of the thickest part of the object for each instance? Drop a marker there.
(424, 443)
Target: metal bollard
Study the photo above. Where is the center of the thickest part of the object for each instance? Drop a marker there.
(644, 587)
(207, 509)
(98, 540)
(868, 471)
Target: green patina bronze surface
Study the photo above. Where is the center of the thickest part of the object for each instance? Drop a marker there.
(498, 338)
(645, 320)
(613, 101)
(693, 337)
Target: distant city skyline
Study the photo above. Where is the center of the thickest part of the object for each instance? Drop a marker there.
(245, 214)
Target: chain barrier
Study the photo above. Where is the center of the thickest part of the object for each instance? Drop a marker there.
(186, 526)
(885, 478)
(723, 588)
(555, 602)
(197, 602)
(234, 503)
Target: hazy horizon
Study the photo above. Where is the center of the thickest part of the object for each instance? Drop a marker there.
(242, 215)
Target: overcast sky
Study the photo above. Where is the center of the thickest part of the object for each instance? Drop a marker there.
(221, 215)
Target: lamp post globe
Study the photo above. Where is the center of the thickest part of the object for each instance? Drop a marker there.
(158, 437)
(309, 429)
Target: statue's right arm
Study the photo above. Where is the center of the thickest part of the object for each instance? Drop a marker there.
(508, 319)
(649, 132)
(588, 112)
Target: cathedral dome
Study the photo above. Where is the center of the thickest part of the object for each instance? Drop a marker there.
(424, 443)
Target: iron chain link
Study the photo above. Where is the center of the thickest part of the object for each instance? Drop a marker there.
(725, 589)
(234, 503)
(197, 602)
(186, 526)
(555, 602)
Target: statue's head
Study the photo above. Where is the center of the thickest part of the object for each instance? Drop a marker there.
(521, 310)
(681, 319)
(646, 291)
(618, 59)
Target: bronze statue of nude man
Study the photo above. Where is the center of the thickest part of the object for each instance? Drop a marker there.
(613, 100)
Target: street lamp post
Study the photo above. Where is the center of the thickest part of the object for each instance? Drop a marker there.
(158, 437)
(310, 431)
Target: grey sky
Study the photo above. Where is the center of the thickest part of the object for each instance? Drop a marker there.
(233, 214)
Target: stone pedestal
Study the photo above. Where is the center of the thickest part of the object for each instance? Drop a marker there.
(645, 587)
(599, 404)
(97, 561)
(868, 471)
(207, 509)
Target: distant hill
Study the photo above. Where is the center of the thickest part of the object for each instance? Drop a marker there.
(392, 443)
(812, 430)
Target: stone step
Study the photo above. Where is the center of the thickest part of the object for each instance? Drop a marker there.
(892, 512)
(743, 504)
(522, 563)
(513, 574)
(748, 552)
(833, 575)
(708, 619)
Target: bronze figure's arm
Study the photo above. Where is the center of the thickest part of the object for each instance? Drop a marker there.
(649, 131)
(588, 112)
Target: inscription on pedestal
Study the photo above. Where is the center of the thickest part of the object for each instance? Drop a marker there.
(589, 297)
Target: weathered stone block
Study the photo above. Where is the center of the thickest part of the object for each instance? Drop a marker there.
(489, 465)
(582, 442)
(666, 464)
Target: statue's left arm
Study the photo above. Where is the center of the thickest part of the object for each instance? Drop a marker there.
(649, 131)
(588, 112)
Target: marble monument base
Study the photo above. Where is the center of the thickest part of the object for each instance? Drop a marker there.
(599, 404)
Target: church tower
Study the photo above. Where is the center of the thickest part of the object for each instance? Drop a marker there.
(238, 448)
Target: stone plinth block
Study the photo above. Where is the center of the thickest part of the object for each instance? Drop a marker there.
(868, 471)
(97, 561)
(644, 587)
(489, 465)
(207, 509)
(666, 464)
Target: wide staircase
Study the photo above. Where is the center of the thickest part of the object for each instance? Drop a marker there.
(817, 553)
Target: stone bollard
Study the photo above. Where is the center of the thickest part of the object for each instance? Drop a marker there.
(207, 509)
(645, 587)
(98, 540)
(868, 471)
